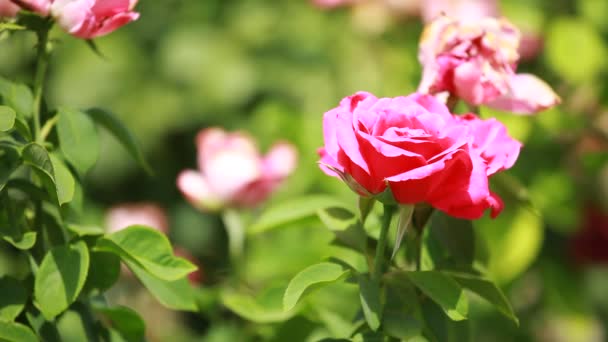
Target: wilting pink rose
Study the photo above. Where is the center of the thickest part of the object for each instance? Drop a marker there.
(231, 171)
(128, 214)
(476, 62)
(413, 145)
(467, 10)
(492, 142)
(8, 9)
(93, 18)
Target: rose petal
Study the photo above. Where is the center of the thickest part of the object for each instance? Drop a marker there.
(527, 94)
(197, 191)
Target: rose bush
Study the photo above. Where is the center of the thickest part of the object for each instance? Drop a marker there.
(417, 148)
(231, 171)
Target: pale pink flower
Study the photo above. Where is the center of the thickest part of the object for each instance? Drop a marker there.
(93, 18)
(231, 171)
(127, 214)
(8, 9)
(476, 61)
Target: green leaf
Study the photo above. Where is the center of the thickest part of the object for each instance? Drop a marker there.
(107, 271)
(17, 96)
(150, 249)
(401, 317)
(369, 293)
(39, 160)
(46, 330)
(487, 290)
(64, 181)
(455, 235)
(10, 160)
(346, 226)
(16, 332)
(266, 307)
(78, 139)
(443, 290)
(77, 324)
(405, 219)
(124, 320)
(13, 297)
(120, 132)
(175, 295)
(291, 211)
(60, 278)
(7, 118)
(22, 127)
(311, 278)
(22, 242)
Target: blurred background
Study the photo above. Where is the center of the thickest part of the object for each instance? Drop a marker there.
(273, 68)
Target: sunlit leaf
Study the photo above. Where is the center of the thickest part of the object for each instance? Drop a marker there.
(150, 249)
(311, 278)
(78, 138)
(60, 278)
(443, 290)
(291, 211)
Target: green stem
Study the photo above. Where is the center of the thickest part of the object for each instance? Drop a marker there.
(236, 236)
(41, 67)
(48, 126)
(382, 240)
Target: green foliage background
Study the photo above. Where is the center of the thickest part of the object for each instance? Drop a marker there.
(273, 68)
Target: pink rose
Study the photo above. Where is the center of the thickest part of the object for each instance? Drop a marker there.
(93, 18)
(412, 145)
(128, 214)
(231, 171)
(8, 9)
(476, 62)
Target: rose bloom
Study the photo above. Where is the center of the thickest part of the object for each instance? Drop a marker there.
(476, 61)
(93, 18)
(417, 148)
(231, 171)
(127, 214)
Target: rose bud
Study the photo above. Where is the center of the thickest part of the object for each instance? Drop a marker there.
(128, 214)
(232, 173)
(93, 18)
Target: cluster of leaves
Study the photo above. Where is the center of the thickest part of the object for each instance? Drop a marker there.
(68, 266)
(420, 296)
